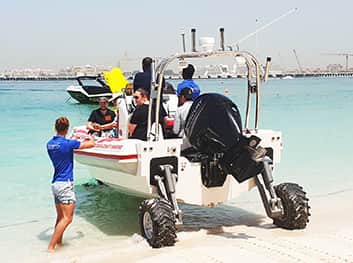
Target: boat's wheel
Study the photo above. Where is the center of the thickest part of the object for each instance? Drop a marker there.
(157, 222)
(295, 206)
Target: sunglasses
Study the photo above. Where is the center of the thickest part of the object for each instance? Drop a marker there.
(136, 97)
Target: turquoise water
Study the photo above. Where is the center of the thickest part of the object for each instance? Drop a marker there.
(315, 116)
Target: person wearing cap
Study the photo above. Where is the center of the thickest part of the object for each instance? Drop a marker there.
(185, 102)
(101, 119)
(188, 82)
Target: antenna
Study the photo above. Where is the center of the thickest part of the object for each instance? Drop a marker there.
(264, 27)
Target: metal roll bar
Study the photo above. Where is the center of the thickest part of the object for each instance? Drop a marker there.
(252, 65)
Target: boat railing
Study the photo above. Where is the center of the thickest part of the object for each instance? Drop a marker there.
(253, 83)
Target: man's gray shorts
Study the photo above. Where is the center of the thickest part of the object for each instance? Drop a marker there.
(63, 192)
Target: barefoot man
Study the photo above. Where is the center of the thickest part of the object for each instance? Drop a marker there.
(60, 151)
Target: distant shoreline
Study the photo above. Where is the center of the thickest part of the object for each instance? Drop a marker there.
(282, 75)
(36, 78)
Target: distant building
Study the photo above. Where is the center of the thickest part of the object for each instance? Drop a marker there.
(334, 68)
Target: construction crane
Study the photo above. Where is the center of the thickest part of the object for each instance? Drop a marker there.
(347, 55)
(296, 57)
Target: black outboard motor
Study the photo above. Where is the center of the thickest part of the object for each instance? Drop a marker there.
(213, 124)
(213, 127)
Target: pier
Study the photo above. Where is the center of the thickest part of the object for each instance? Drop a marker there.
(286, 74)
(227, 76)
(31, 78)
(316, 74)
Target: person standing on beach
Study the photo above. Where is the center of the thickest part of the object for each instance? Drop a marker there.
(60, 151)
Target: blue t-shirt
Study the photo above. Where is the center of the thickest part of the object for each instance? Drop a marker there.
(61, 153)
(189, 83)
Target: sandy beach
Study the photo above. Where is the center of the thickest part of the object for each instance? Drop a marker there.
(105, 227)
(281, 71)
(251, 237)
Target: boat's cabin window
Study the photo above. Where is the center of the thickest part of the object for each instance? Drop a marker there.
(90, 82)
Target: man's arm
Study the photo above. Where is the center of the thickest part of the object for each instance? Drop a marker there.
(87, 144)
(131, 128)
(134, 120)
(176, 125)
(109, 126)
(93, 126)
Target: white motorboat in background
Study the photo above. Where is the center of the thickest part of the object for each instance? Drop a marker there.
(89, 89)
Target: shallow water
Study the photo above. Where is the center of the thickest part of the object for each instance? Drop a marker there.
(313, 114)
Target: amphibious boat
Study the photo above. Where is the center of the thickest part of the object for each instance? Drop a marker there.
(226, 157)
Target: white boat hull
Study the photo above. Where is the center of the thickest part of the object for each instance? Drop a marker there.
(125, 165)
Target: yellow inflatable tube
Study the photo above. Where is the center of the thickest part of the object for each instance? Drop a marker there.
(115, 80)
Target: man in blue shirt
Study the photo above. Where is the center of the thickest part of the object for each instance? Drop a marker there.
(188, 82)
(60, 151)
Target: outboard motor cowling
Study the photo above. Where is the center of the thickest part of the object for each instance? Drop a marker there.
(213, 124)
(213, 128)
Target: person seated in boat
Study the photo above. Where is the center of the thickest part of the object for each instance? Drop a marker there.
(101, 121)
(185, 102)
(188, 82)
(138, 123)
(142, 80)
(129, 89)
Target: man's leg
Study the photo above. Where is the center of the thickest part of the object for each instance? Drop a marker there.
(67, 216)
(59, 216)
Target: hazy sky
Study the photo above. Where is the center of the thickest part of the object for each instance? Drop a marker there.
(54, 34)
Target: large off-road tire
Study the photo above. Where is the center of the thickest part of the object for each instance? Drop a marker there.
(157, 222)
(295, 205)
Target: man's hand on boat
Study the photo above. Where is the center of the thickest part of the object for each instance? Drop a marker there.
(98, 127)
(87, 142)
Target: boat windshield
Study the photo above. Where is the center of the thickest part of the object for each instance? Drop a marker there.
(90, 82)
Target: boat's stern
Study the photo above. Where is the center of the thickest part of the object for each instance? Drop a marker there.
(154, 154)
(270, 140)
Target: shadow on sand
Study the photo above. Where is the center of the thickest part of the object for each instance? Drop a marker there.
(115, 213)
(111, 212)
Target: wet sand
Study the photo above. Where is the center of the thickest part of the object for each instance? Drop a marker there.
(250, 237)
